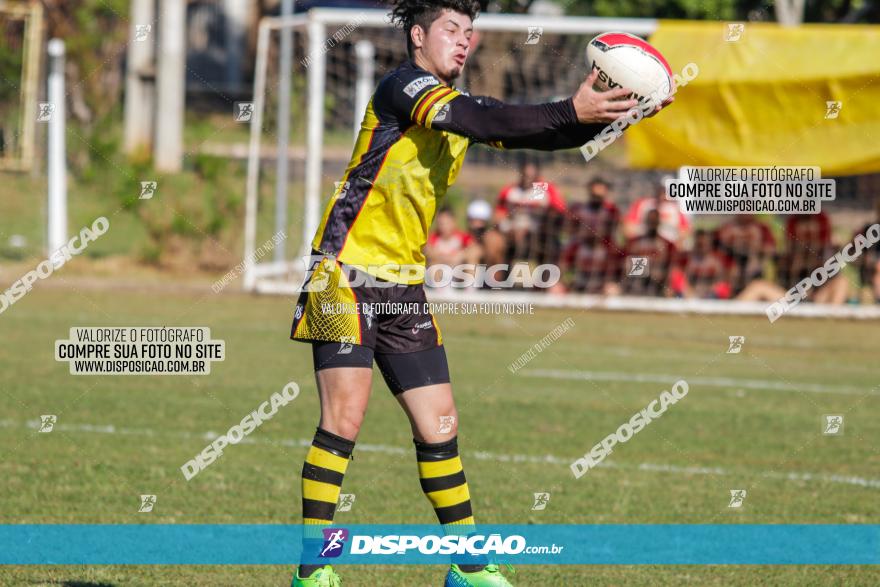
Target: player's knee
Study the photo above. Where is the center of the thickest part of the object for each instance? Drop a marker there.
(344, 421)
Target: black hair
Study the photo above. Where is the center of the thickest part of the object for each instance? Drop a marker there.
(598, 181)
(406, 14)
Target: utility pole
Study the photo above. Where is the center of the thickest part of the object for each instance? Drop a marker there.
(168, 151)
(140, 78)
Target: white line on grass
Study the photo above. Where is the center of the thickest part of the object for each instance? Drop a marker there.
(478, 455)
(731, 382)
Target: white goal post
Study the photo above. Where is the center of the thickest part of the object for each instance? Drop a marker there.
(313, 34)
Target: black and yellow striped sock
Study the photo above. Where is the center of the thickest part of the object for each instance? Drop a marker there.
(322, 475)
(442, 477)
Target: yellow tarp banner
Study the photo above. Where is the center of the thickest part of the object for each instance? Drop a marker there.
(761, 100)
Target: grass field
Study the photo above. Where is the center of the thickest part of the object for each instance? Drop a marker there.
(723, 435)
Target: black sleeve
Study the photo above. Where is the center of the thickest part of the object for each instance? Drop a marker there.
(568, 136)
(420, 98)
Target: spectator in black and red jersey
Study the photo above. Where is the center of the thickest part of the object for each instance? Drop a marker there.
(599, 215)
(530, 213)
(703, 271)
(648, 261)
(591, 254)
(748, 244)
(807, 246)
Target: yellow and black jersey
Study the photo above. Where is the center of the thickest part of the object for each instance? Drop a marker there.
(410, 148)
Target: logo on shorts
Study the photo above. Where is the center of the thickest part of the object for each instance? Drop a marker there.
(345, 345)
(422, 326)
(417, 85)
(299, 312)
(334, 541)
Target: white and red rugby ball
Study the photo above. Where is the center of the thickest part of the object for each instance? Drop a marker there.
(626, 61)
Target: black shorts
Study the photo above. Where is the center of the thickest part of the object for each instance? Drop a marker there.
(352, 319)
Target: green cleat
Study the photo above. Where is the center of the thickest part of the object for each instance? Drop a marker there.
(323, 577)
(489, 577)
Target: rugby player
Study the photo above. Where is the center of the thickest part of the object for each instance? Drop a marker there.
(410, 148)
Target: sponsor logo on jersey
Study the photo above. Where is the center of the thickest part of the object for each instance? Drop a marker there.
(418, 84)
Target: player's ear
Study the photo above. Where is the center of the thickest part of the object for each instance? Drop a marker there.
(417, 36)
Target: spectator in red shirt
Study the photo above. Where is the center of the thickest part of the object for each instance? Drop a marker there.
(675, 226)
(530, 214)
(530, 192)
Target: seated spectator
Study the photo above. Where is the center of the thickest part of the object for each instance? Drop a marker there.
(675, 226)
(447, 245)
(659, 253)
(530, 192)
(529, 214)
(701, 272)
(807, 246)
(748, 245)
(599, 215)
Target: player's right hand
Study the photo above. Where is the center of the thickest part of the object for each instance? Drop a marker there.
(593, 106)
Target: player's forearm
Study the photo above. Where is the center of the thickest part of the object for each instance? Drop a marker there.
(568, 137)
(507, 121)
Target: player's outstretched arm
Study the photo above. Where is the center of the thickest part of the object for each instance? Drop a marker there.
(575, 135)
(422, 99)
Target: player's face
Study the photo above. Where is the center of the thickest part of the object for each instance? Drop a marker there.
(447, 44)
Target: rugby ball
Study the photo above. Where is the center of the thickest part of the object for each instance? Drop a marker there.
(626, 61)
